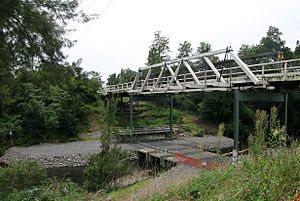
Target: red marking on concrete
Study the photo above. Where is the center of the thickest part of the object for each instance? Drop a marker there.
(187, 159)
(207, 165)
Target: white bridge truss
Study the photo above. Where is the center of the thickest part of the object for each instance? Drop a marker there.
(199, 73)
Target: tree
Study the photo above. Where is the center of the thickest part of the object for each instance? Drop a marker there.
(203, 47)
(248, 50)
(112, 79)
(41, 96)
(126, 75)
(270, 46)
(272, 42)
(32, 31)
(159, 49)
(185, 49)
(297, 50)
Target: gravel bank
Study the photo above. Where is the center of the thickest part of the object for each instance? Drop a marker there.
(71, 154)
(75, 154)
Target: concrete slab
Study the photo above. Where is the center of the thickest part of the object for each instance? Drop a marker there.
(171, 159)
(189, 151)
(176, 147)
(161, 154)
(147, 150)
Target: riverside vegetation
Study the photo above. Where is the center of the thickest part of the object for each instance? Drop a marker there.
(271, 171)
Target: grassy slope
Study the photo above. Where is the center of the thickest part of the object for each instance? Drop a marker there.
(260, 178)
(122, 193)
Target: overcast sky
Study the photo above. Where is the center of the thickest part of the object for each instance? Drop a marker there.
(121, 36)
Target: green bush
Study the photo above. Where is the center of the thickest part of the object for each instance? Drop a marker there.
(21, 175)
(106, 167)
(52, 190)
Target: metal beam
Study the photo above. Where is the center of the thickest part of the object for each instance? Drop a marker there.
(214, 69)
(151, 98)
(172, 73)
(286, 111)
(216, 52)
(192, 72)
(171, 117)
(160, 76)
(135, 80)
(174, 77)
(260, 96)
(236, 118)
(131, 116)
(146, 80)
(244, 67)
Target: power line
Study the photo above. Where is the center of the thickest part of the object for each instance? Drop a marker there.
(92, 23)
(89, 7)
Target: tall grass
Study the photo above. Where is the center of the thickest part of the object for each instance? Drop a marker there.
(259, 178)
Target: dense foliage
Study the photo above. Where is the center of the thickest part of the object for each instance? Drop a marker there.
(49, 191)
(41, 98)
(48, 103)
(32, 31)
(20, 175)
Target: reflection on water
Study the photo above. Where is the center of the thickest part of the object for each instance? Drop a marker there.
(76, 174)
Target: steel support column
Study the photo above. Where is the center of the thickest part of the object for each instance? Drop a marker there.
(286, 112)
(236, 123)
(131, 116)
(171, 117)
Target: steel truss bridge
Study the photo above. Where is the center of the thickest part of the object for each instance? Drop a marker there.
(260, 82)
(189, 75)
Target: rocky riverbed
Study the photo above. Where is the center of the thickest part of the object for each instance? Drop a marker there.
(76, 154)
(71, 154)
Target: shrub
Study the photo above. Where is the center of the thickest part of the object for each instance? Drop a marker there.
(52, 190)
(106, 167)
(21, 175)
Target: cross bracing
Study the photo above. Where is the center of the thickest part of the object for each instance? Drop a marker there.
(200, 73)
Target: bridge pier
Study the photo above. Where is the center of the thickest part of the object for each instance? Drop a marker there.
(131, 116)
(255, 96)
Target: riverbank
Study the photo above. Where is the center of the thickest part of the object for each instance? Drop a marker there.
(76, 154)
